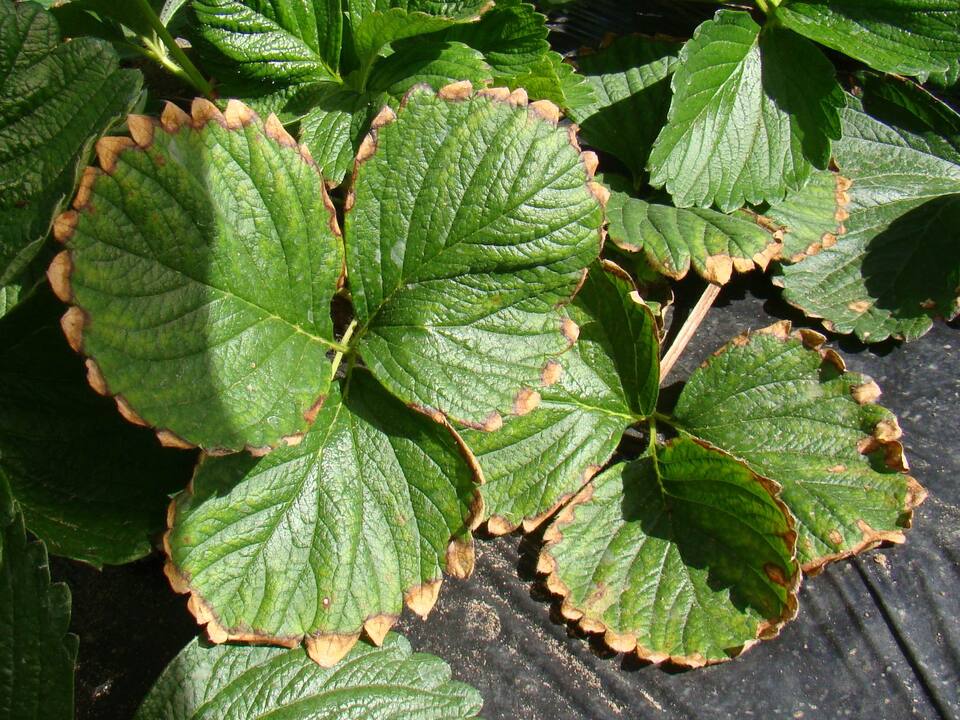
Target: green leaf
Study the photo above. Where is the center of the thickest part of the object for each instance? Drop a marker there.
(550, 78)
(752, 114)
(512, 38)
(55, 99)
(203, 304)
(286, 41)
(329, 537)
(436, 64)
(381, 28)
(888, 279)
(469, 223)
(683, 555)
(335, 126)
(386, 683)
(630, 82)
(898, 266)
(812, 218)
(359, 10)
(605, 383)
(102, 507)
(793, 415)
(333, 129)
(912, 37)
(672, 239)
(37, 654)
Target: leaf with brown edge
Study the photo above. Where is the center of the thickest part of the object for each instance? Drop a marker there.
(457, 265)
(898, 267)
(192, 284)
(606, 382)
(330, 538)
(682, 556)
(675, 239)
(92, 486)
(813, 218)
(786, 406)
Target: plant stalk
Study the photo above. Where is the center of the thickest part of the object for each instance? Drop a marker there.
(688, 330)
(345, 343)
(190, 71)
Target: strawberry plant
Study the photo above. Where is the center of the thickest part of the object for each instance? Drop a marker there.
(347, 286)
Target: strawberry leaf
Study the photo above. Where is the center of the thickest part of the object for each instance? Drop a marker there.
(788, 409)
(602, 385)
(752, 115)
(390, 682)
(195, 292)
(472, 217)
(330, 537)
(55, 99)
(683, 555)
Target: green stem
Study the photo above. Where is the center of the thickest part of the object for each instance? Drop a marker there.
(190, 72)
(345, 344)
(768, 5)
(665, 419)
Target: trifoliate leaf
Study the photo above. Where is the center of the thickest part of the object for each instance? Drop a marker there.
(433, 63)
(752, 114)
(898, 266)
(472, 217)
(683, 555)
(812, 218)
(285, 41)
(201, 262)
(37, 655)
(330, 537)
(333, 129)
(912, 37)
(255, 683)
(54, 100)
(605, 383)
(630, 80)
(790, 411)
(672, 239)
(92, 486)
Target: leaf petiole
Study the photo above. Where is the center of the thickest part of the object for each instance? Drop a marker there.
(344, 348)
(185, 68)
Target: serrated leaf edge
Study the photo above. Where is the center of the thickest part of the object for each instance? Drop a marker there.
(627, 642)
(142, 128)
(526, 399)
(828, 239)
(498, 525)
(327, 648)
(886, 437)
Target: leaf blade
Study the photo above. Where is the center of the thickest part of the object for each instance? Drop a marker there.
(383, 497)
(516, 231)
(684, 556)
(812, 428)
(234, 682)
(745, 125)
(37, 654)
(185, 254)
